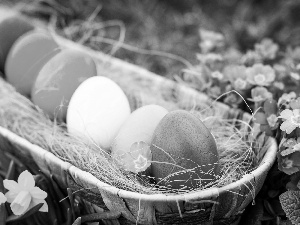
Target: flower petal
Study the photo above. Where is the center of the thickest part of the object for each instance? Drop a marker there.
(26, 180)
(11, 185)
(38, 193)
(3, 199)
(11, 195)
(35, 202)
(286, 114)
(288, 126)
(21, 203)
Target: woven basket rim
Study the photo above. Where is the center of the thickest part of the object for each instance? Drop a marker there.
(211, 193)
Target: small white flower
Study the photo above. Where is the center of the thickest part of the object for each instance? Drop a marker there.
(287, 97)
(292, 120)
(279, 85)
(136, 160)
(3, 199)
(23, 195)
(217, 75)
(240, 84)
(272, 119)
(296, 76)
(261, 75)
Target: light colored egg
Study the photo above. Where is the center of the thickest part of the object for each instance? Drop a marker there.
(97, 110)
(26, 57)
(137, 129)
(58, 80)
(184, 152)
(12, 26)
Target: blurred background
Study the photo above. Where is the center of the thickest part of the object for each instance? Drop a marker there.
(145, 27)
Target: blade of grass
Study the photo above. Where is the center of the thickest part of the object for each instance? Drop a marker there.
(71, 198)
(11, 170)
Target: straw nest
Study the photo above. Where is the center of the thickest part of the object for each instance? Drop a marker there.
(22, 117)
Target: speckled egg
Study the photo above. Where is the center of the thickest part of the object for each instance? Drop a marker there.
(97, 110)
(58, 80)
(12, 26)
(184, 152)
(26, 57)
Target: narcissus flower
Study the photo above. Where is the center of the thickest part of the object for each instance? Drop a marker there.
(260, 75)
(23, 195)
(3, 199)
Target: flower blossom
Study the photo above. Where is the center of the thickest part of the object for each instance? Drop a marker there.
(286, 97)
(267, 118)
(23, 195)
(291, 120)
(289, 165)
(217, 74)
(237, 75)
(260, 75)
(272, 120)
(137, 159)
(289, 156)
(3, 199)
(266, 48)
(260, 94)
(291, 145)
(251, 58)
(210, 40)
(295, 76)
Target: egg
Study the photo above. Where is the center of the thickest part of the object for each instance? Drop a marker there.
(26, 57)
(184, 152)
(134, 137)
(58, 80)
(97, 110)
(12, 26)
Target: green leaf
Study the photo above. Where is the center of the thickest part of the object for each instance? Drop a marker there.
(253, 214)
(11, 170)
(291, 205)
(71, 198)
(31, 211)
(260, 118)
(270, 107)
(3, 214)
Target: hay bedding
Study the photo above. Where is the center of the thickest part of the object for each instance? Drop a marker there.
(22, 117)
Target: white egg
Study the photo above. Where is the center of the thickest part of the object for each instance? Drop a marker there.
(138, 128)
(97, 110)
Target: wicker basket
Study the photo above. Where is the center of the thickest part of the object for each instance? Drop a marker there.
(212, 206)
